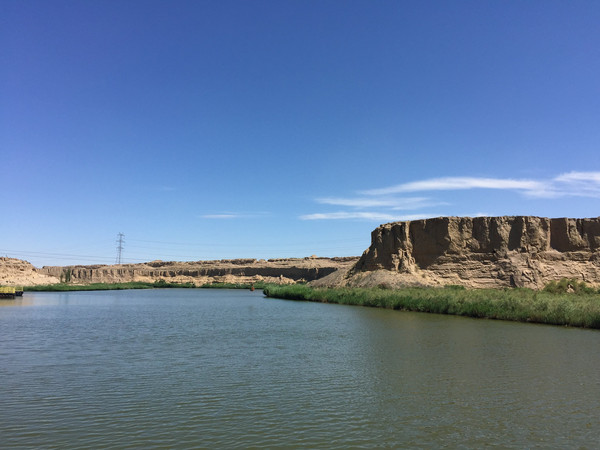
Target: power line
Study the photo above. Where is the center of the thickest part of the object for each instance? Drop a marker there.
(160, 253)
(213, 244)
(147, 250)
(60, 255)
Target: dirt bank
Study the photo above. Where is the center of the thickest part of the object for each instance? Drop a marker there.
(481, 252)
(290, 270)
(15, 272)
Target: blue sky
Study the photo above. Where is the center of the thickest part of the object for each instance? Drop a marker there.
(266, 129)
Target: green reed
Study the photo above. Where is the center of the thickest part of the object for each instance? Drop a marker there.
(60, 287)
(524, 305)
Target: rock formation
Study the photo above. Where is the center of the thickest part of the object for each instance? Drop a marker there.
(205, 272)
(491, 252)
(15, 272)
(480, 252)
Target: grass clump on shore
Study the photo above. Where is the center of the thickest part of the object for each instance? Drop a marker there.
(568, 285)
(517, 304)
(258, 285)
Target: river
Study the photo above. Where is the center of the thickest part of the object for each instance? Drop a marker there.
(199, 368)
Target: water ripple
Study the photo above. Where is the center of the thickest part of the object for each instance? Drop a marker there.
(189, 369)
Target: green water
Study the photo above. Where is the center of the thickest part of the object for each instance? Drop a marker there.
(221, 369)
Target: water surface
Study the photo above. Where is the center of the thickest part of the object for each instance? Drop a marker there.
(224, 368)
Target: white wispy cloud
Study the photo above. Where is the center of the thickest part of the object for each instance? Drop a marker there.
(386, 201)
(234, 215)
(363, 215)
(593, 177)
(458, 183)
(573, 184)
(578, 184)
(395, 203)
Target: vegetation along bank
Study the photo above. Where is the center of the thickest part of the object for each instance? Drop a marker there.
(160, 284)
(567, 302)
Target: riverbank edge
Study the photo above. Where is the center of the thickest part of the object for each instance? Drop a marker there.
(66, 287)
(515, 304)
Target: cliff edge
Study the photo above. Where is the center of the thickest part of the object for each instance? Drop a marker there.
(480, 252)
(15, 272)
(285, 270)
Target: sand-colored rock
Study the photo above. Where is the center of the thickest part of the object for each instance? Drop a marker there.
(15, 272)
(481, 252)
(289, 270)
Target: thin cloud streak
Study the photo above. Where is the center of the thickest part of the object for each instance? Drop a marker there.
(363, 215)
(570, 184)
(458, 183)
(593, 177)
(371, 202)
(579, 184)
(234, 215)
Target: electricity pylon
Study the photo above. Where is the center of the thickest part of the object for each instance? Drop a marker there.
(120, 242)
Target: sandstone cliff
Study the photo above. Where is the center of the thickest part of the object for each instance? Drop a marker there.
(15, 272)
(490, 252)
(481, 252)
(203, 272)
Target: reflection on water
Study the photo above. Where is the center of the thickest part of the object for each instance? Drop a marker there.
(479, 382)
(221, 368)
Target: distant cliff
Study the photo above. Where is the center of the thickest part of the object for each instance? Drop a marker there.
(289, 270)
(480, 252)
(21, 273)
(518, 251)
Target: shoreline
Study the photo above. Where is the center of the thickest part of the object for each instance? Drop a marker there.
(580, 310)
(161, 284)
(556, 305)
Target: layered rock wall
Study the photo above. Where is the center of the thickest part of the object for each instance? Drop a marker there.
(16, 272)
(490, 252)
(519, 251)
(202, 272)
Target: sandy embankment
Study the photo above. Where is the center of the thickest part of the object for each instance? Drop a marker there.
(282, 271)
(15, 272)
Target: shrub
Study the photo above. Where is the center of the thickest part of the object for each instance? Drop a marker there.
(525, 305)
(455, 287)
(568, 286)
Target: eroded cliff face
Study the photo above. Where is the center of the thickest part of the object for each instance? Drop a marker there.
(519, 251)
(21, 273)
(481, 252)
(204, 272)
